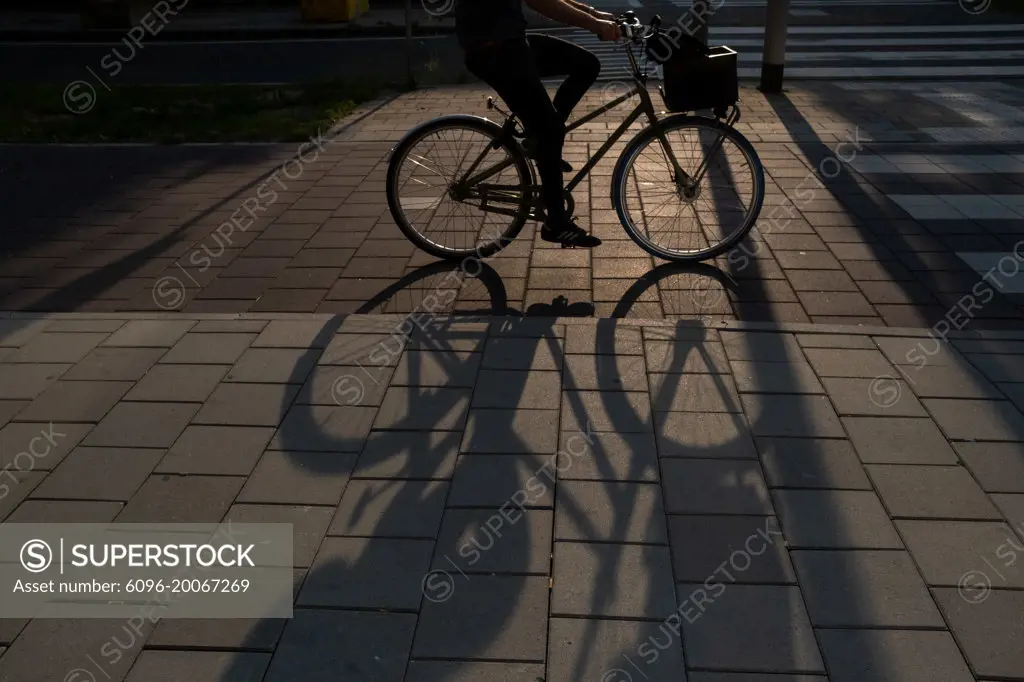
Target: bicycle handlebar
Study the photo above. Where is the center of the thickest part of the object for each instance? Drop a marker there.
(633, 30)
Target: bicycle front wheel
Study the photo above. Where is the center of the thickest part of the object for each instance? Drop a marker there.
(688, 221)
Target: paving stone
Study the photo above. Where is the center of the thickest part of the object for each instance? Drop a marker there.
(423, 409)
(437, 368)
(65, 511)
(149, 333)
(199, 666)
(247, 405)
(178, 383)
(9, 408)
(791, 416)
(703, 435)
(323, 428)
(293, 334)
(931, 492)
(1012, 507)
(493, 480)
(511, 389)
(927, 351)
(99, 474)
(208, 349)
(895, 440)
(607, 337)
(600, 512)
(883, 396)
(408, 509)
(905, 655)
(377, 573)
(511, 431)
(977, 419)
(409, 455)
(704, 486)
(865, 589)
(609, 457)
(748, 627)
(309, 525)
(617, 411)
(962, 553)
(472, 671)
(142, 425)
(950, 382)
(46, 444)
(25, 382)
(253, 634)
(115, 364)
(748, 677)
(236, 326)
(775, 377)
(811, 463)
(990, 632)
(216, 450)
(506, 540)
(835, 341)
(694, 393)
(522, 354)
(605, 373)
(999, 467)
(683, 357)
(486, 618)
(317, 644)
(998, 367)
(75, 401)
(848, 363)
(273, 366)
(582, 649)
(612, 580)
(382, 348)
(835, 519)
(19, 485)
(737, 549)
(181, 499)
(298, 478)
(56, 348)
(345, 386)
(761, 348)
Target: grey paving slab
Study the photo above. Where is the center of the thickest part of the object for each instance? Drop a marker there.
(471, 671)
(216, 450)
(811, 463)
(273, 366)
(605, 373)
(609, 457)
(208, 349)
(865, 589)
(583, 649)
(775, 377)
(235, 326)
(898, 440)
(15, 333)
(25, 382)
(178, 383)
(950, 381)
(65, 511)
(181, 499)
(142, 425)
(703, 435)
(791, 416)
(407, 509)
(612, 580)
(9, 408)
(839, 519)
(437, 368)
(694, 393)
(200, 666)
(370, 573)
(345, 386)
(990, 632)
(115, 364)
(293, 334)
(834, 341)
(409, 454)
(747, 627)
(617, 411)
(905, 655)
(931, 492)
(686, 357)
(511, 431)
(309, 525)
(510, 389)
(704, 486)
(149, 333)
(422, 409)
(523, 354)
(317, 643)
(948, 552)
(998, 367)
(919, 352)
(607, 337)
(999, 467)
(883, 396)
(217, 633)
(1012, 507)
(56, 348)
(75, 401)
(99, 474)
(298, 478)
(19, 485)
(591, 511)
(486, 618)
(755, 677)
(324, 428)
(977, 419)
(36, 446)
(247, 405)
(506, 540)
(761, 347)
(371, 350)
(729, 549)
(494, 480)
(829, 362)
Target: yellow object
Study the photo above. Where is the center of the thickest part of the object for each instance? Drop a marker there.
(333, 10)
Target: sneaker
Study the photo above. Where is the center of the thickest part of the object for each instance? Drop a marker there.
(530, 146)
(569, 235)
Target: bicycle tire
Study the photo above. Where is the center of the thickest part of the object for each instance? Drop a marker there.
(458, 121)
(620, 175)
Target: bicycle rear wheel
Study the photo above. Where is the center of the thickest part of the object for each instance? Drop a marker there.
(441, 215)
(688, 223)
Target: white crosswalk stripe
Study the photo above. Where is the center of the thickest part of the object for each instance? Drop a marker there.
(963, 52)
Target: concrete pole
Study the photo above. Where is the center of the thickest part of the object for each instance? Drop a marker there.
(774, 59)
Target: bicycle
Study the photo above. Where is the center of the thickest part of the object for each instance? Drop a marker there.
(472, 198)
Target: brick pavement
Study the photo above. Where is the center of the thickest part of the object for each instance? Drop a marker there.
(102, 229)
(500, 498)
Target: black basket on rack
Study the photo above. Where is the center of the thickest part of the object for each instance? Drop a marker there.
(695, 76)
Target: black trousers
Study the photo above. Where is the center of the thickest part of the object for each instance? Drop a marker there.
(514, 68)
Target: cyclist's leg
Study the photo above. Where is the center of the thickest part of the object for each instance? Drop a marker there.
(556, 57)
